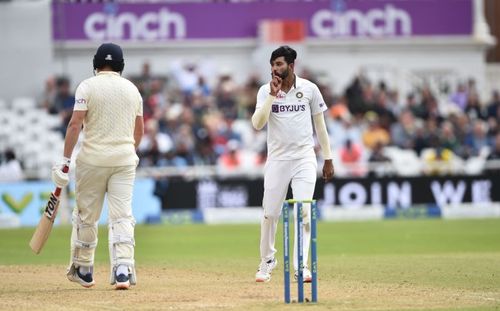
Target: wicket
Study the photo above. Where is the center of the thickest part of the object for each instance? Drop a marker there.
(286, 250)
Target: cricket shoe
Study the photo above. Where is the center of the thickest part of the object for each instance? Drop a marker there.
(84, 280)
(122, 281)
(306, 275)
(265, 269)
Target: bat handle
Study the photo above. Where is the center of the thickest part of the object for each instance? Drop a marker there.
(57, 192)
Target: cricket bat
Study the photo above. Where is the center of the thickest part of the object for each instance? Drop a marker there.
(45, 224)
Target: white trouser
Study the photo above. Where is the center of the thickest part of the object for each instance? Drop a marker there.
(277, 176)
(92, 183)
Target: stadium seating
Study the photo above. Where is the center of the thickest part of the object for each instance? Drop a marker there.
(32, 134)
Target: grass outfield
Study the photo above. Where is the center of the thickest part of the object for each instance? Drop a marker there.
(381, 265)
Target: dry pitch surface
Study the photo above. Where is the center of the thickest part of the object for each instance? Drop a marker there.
(164, 288)
(389, 265)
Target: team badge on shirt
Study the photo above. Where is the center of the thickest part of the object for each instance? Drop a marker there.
(299, 95)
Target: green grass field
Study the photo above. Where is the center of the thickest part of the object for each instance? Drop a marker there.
(380, 265)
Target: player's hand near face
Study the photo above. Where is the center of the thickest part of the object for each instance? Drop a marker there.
(275, 85)
(328, 170)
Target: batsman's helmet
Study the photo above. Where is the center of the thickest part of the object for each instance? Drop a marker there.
(109, 54)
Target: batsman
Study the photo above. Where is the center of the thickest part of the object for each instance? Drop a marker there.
(289, 105)
(109, 109)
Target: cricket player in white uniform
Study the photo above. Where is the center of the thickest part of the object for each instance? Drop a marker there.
(287, 104)
(109, 108)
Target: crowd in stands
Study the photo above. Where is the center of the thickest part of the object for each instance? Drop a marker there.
(190, 122)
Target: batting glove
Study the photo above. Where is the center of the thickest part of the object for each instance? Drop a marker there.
(60, 178)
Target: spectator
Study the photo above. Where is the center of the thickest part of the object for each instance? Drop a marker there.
(474, 107)
(476, 139)
(403, 132)
(495, 150)
(493, 109)
(437, 160)
(187, 77)
(448, 139)
(494, 157)
(10, 170)
(184, 146)
(154, 145)
(374, 133)
(378, 155)
(226, 96)
(48, 97)
(155, 104)
(461, 126)
(342, 127)
(416, 108)
(248, 97)
(460, 97)
(354, 97)
(378, 158)
(420, 142)
(351, 157)
(205, 153)
(231, 159)
(63, 103)
(493, 128)
(146, 76)
(384, 112)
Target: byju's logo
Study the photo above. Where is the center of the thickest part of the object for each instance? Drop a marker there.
(288, 108)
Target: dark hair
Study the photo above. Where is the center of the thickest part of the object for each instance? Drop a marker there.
(62, 81)
(10, 155)
(287, 52)
(109, 54)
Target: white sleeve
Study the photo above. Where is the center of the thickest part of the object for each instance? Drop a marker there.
(262, 108)
(81, 97)
(139, 111)
(322, 134)
(317, 102)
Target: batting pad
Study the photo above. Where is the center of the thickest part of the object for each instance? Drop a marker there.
(121, 247)
(83, 243)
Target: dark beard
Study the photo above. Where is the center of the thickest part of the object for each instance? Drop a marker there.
(284, 74)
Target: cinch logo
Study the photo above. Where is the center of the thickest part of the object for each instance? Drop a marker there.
(373, 23)
(288, 108)
(149, 26)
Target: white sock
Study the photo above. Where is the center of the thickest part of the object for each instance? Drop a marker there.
(122, 269)
(84, 270)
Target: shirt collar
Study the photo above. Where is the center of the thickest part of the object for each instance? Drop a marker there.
(108, 73)
(298, 82)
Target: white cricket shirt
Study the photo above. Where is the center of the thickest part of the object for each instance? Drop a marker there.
(290, 128)
(112, 104)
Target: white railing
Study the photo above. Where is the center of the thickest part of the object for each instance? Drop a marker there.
(378, 169)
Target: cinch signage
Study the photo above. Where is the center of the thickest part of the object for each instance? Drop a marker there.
(389, 21)
(148, 26)
(158, 21)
